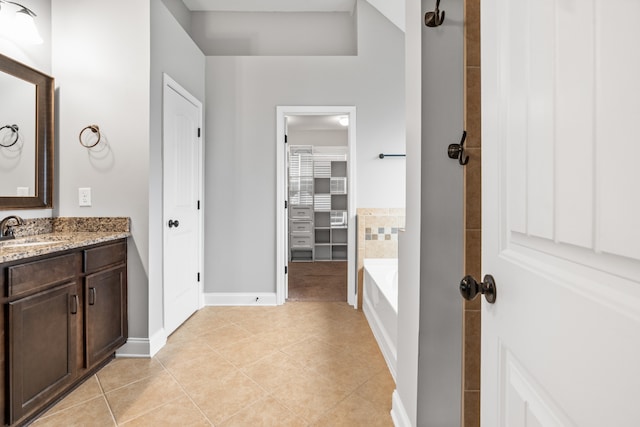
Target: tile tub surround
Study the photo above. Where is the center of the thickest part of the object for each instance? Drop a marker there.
(61, 234)
(298, 364)
(378, 231)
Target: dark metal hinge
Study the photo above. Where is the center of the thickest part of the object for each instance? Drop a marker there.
(285, 139)
(198, 132)
(198, 277)
(286, 269)
(286, 205)
(198, 204)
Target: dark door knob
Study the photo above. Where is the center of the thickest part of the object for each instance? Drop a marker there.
(469, 288)
(173, 223)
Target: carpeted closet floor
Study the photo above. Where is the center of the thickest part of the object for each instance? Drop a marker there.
(318, 281)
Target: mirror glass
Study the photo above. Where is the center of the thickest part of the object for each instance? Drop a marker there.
(26, 136)
(17, 137)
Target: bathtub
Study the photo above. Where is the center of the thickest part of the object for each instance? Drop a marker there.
(380, 305)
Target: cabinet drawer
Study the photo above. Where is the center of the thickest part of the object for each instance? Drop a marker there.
(103, 256)
(300, 226)
(36, 275)
(300, 240)
(301, 212)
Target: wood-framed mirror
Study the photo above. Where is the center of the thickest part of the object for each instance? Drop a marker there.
(26, 136)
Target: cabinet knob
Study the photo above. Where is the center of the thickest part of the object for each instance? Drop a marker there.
(173, 223)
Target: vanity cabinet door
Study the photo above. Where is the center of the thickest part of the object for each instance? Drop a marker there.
(42, 342)
(105, 313)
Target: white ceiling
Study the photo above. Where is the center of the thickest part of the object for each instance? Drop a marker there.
(271, 5)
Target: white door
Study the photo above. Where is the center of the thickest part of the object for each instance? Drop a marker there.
(561, 229)
(182, 226)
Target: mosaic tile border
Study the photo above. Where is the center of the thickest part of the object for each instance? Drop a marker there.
(381, 233)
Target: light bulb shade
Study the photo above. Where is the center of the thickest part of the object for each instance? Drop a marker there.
(24, 28)
(6, 22)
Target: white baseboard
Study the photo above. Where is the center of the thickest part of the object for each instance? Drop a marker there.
(157, 341)
(134, 347)
(143, 347)
(399, 415)
(240, 298)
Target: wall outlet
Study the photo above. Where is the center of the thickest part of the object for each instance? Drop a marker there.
(84, 196)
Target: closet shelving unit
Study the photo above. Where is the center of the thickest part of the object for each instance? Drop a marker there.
(329, 207)
(301, 203)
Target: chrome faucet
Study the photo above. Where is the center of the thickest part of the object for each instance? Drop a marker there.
(6, 229)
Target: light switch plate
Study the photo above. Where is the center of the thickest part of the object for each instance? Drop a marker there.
(84, 196)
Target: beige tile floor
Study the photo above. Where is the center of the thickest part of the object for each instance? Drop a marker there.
(299, 364)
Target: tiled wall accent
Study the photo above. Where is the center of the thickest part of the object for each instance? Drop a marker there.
(472, 202)
(381, 233)
(378, 230)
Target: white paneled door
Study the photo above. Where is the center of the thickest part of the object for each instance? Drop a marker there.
(182, 226)
(561, 212)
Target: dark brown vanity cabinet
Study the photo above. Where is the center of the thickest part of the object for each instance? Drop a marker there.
(105, 293)
(65, 315)
(42, 339)
(43, 312)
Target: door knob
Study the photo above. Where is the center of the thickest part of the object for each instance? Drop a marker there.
(173, 223)
(469, 288)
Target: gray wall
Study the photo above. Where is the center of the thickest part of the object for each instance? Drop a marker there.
(441, 252)
(242, 95)
(428, 382)
(101, 65)
(109, 72)
(275, 33)
(405, 399)
(317, 137)
(180, 12)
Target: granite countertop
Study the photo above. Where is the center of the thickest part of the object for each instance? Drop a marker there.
(44, 236)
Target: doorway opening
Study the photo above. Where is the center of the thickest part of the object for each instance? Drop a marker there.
(316, 210)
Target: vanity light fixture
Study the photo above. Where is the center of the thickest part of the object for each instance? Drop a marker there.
(344, 120)
(21, 26)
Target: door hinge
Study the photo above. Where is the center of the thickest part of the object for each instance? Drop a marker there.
(198, 132)
(286, 205)
(198, 204)
(286, 269)
(198, 277)
(285, 139)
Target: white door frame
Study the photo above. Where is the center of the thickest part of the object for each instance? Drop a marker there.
(282, 244)
(169, 83)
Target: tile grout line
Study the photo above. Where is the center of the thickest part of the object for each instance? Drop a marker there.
(135, 382)
(106, 401)
(186, 392)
